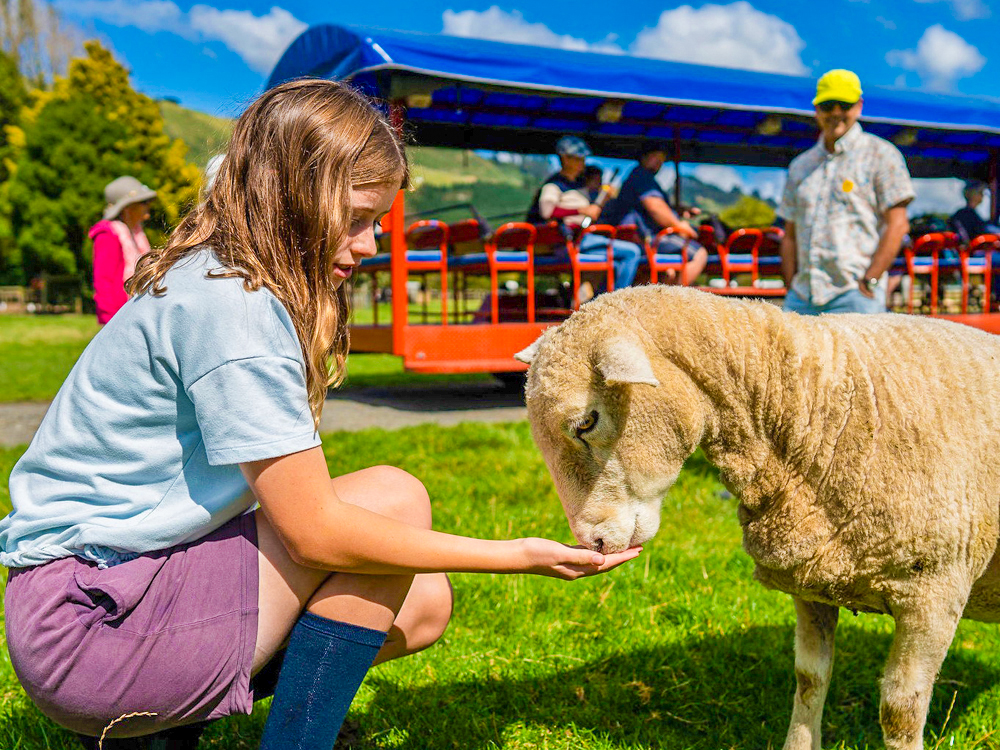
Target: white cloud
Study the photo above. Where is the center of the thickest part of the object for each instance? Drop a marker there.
(886, 23)
(940, 59)
(965, 9)
(724, 178)
(147, 15)
(667, 176)
(729, 36)
(942, 196)
(938, 196)
(259, 40)
(502, 26)
(767, 183)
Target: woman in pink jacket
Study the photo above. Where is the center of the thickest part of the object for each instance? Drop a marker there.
(119, 241)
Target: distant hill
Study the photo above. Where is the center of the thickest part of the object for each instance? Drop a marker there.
(707, 197)
(204, 135)
(446, 181)
(446, 167)
(449, 182)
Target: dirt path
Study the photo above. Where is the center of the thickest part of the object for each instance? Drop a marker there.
(350, 410)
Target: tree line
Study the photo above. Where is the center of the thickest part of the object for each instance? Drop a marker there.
(64, 134)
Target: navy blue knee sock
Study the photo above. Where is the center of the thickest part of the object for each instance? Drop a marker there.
(324, 666)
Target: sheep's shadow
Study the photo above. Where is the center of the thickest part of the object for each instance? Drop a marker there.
(712, 692)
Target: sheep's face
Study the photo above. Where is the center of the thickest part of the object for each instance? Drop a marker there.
(613, 432)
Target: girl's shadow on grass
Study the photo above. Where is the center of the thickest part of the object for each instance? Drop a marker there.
(711, 692)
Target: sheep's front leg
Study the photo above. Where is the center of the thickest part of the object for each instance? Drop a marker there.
(918, 648)
(814, 628)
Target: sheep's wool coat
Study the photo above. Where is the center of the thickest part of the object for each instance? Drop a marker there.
(864, 450)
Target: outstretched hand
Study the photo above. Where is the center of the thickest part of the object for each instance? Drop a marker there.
(548, 558)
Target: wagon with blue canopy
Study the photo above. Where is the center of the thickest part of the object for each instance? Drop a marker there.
(478, 94)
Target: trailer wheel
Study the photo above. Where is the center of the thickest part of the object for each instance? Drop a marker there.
(512, 382)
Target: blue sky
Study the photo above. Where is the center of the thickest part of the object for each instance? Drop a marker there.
(215, 58)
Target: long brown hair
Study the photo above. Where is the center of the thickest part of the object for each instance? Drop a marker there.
(280, 207)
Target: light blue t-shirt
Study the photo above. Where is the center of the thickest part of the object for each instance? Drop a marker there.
(139, 451)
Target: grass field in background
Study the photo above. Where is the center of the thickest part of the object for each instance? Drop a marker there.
(679, 649)
(38, 351)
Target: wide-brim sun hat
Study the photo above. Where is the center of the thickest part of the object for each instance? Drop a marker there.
(838, 85)
(122, 192)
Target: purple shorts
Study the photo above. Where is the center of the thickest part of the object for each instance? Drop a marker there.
(170, 633)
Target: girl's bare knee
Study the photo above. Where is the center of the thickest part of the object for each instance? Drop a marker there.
(438, 612)
(401, 496)
(424, 618)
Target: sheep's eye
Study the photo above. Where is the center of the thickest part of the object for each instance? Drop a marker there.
(588, 423)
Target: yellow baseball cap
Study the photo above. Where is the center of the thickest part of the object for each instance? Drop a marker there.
(838, 86)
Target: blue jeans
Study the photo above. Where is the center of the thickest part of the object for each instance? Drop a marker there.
(851, 301)
(627, 256)
(673, 243)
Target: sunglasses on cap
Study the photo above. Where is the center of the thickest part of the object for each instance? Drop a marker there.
(828, 106)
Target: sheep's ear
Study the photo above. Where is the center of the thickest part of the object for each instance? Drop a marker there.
(625, 361)
(527, 355)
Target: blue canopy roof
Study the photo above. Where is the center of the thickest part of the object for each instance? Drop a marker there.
(472, 93)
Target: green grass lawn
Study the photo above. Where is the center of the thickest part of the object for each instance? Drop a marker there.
(679, 649)
(38, 351)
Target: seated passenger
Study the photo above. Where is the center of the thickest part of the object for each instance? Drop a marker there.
(562, 197)
(641, 201)
(593, 180)
(966, 222)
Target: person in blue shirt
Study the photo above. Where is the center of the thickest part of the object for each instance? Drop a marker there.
(177, 548)
(643, 202)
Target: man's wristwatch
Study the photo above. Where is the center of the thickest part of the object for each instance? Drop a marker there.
(872, 284)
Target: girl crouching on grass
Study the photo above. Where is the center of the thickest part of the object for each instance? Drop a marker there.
(146, 592)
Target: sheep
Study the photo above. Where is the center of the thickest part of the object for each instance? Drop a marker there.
(864, 451)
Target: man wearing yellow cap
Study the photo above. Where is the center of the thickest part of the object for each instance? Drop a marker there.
(844, 208)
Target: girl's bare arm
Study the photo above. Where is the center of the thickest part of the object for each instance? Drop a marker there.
(321, 531)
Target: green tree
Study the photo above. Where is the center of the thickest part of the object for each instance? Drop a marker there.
(748, 211)
(13, 97)
(88, 129)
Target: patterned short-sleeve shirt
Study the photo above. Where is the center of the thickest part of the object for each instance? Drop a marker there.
(838, 202)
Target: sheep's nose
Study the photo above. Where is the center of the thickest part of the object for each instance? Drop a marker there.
(598, 545)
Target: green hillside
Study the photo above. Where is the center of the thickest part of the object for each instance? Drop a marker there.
(707, 197)
(204, 135)
(444, 177)
(445, 167)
